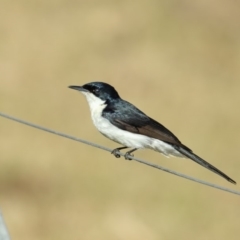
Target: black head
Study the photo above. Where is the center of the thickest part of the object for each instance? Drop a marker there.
(101, 90)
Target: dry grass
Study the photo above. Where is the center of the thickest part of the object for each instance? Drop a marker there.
(177, 60)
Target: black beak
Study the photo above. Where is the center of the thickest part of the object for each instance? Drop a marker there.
(79, 88)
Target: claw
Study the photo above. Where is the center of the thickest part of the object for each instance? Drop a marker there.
(116, 153)
(128, 156)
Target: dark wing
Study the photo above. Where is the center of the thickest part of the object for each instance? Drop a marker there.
(131, 119)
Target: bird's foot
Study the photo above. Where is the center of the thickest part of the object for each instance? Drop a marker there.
(116, 153)
(128, 156)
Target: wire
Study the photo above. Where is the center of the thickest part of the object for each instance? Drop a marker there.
(110, 150)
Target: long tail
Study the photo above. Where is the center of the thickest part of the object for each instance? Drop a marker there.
(188, 153)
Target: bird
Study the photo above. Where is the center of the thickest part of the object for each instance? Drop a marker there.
(125, 124)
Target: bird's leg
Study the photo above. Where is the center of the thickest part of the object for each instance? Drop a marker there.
(128, 155)
(116, 151)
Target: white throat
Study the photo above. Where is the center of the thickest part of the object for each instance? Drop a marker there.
(96, 106)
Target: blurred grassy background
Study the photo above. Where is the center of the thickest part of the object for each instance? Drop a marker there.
(179, 61)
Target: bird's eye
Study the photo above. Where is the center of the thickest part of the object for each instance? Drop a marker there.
(96, 90)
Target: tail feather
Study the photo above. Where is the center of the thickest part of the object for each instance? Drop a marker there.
(188, 153)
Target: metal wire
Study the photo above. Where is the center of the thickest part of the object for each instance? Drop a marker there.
(110, 150)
